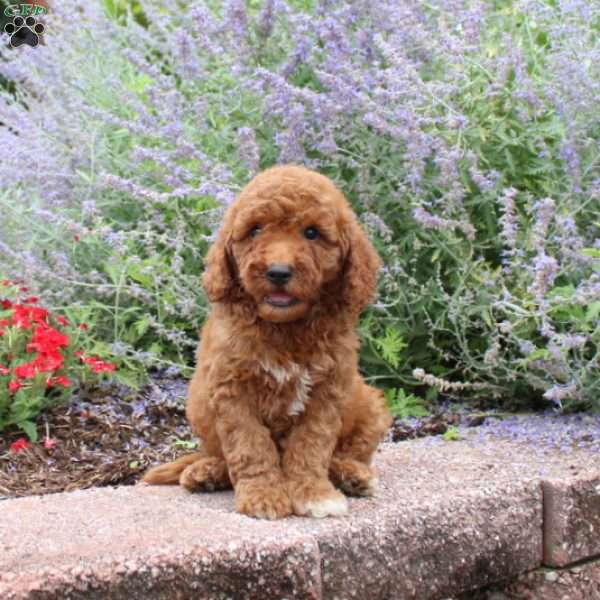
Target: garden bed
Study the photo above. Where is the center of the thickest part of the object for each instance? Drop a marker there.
(111, 434)
(107, 437)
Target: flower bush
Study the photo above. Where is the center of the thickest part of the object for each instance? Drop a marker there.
(41, 358)
(465, 133)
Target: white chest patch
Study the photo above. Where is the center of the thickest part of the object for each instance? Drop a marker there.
(292, 373)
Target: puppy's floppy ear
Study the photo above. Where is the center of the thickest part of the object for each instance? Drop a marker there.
(361, 268)
(218, 277)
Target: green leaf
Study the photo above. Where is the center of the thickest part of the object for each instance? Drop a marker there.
(113, 272)
(542, 353)
(188, 444)
(485, 314)
(405, 405)
(155, 348)
(390, 346)
(565, 291)
(30, 430)
(128, 378)
(593, 310)
(142, 325)
(593, 252)
(452, 434)
(135, 271)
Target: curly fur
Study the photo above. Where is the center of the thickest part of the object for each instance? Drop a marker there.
(277, 400)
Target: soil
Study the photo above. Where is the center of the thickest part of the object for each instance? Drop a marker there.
(108, 438)
(110, 435)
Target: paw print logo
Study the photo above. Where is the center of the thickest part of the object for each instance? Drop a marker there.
(24, 31)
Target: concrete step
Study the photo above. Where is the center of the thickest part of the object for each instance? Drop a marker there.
(449, 517)
(575, 582)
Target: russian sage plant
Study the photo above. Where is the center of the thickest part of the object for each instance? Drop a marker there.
(464, 132)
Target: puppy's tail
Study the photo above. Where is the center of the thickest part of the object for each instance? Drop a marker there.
(169, 474)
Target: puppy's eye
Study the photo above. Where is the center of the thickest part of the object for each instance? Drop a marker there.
(255, 231)
(311, 233)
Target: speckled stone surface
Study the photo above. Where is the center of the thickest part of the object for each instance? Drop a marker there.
(572, 520)
(580, 582)
(449, 517)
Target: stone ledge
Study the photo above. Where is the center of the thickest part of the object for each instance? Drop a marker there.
(575, 582)
(449, 517)
(571, 519)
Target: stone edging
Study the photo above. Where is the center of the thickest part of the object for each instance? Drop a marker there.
(448, 518)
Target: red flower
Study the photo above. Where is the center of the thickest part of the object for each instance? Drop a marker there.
(2, 332)
(62, 320)
(14, 386)
(19, 445)
(61, 379)
(6, 282)
(26, 370)
(49, 443)
(23, 315)
(6, 304)
(38, 315)
(4, 370)
(24, 289)
(44, 363)
(20, 317)
(30, 300)
(98, 365)
(47, 339)
(84, 326)
(76, 237)
(49, 361)
(4, 322)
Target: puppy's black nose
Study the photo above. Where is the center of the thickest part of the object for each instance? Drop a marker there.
(279, 274)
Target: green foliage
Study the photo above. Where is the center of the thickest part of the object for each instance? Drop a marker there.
(120, 9)
(487, 304)
(390, 346)
(452, 434)
(405, 405)
(187, 444)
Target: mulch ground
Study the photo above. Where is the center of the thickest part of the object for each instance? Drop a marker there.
(108, 438)
(110, 435)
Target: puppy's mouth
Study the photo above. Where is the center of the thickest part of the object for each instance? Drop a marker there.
(281, 300)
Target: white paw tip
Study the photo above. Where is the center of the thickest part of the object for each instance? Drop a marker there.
(330, 507)
(372, 486)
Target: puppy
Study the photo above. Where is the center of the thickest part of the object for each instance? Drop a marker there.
(277, 400)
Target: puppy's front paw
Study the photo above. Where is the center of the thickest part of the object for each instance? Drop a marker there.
(317, 498)
(262, 498)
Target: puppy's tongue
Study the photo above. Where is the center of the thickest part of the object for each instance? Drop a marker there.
(280, 299)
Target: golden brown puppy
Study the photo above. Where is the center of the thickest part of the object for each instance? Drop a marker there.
(276, 399)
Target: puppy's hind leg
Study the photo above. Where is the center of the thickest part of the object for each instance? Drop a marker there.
(350, 468)
(195, 472)
(206, 474)
(169, 473)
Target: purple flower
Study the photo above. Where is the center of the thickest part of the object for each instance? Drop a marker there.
(544, 212)
(509, 224)
(248, 150)
(545, 269)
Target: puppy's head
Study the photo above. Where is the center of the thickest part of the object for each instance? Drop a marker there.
(288, 243)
